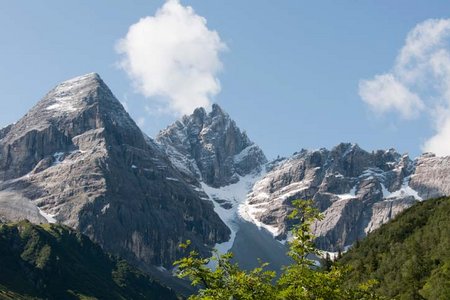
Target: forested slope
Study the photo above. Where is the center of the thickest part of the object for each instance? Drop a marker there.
(54, 262)
(409, 256)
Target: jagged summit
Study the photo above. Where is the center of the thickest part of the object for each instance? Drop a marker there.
(215, 110)
(211, 147)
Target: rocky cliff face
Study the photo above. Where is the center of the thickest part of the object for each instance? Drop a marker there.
(357, 191)
(210, 147)
(78, 158)
(431, 178)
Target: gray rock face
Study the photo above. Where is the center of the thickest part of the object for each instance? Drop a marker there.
(432, 176)
(211, 148)
(356, 190)
(79, 159)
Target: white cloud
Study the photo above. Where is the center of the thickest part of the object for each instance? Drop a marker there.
(173, 58)
(418, 81)
(421, 43)
(385, 93)
(440, 142)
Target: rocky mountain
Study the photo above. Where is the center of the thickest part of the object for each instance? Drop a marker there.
(77, 158)
(210, 147)
(220, 160)
(356, 190)
(52, 261)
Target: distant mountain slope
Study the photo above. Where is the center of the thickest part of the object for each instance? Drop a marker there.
(409, 256)
(54, 262)
(356, 190)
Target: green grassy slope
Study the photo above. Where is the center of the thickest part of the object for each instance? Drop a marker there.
(409, 256)
(54, 262)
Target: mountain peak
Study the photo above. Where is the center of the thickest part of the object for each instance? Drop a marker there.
(72, 95)
(86, 77)
(217, 110)
(200, 114)
(78, 158)
(71, 108)
(82, 97)
(219, 152)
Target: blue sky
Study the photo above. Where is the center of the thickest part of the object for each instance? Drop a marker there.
(290, 75)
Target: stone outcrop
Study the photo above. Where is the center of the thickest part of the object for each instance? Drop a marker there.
(432, 176)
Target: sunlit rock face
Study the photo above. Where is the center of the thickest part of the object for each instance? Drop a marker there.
(79, 159)
(356, 190)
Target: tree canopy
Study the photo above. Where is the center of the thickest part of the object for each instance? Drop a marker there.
(301, 280)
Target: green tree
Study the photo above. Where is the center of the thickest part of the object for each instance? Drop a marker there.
(301, 280)
(227, 281)
(409, 256)
(438, 285)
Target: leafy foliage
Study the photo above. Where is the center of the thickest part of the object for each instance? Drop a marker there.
(54, 262)
(227, 281)
(301, 280)
(410, 256)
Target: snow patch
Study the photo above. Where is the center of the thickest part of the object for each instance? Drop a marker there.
(105, 208)
(248, 211)
(404, 191)
(66, 96)
(61, 105)
(61, 157)
(58, 156)
(235, 194)
(351, 194)
(49, 217)
(172, 179)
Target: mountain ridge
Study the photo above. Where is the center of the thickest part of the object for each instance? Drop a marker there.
(356, 190)
(78, 158)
